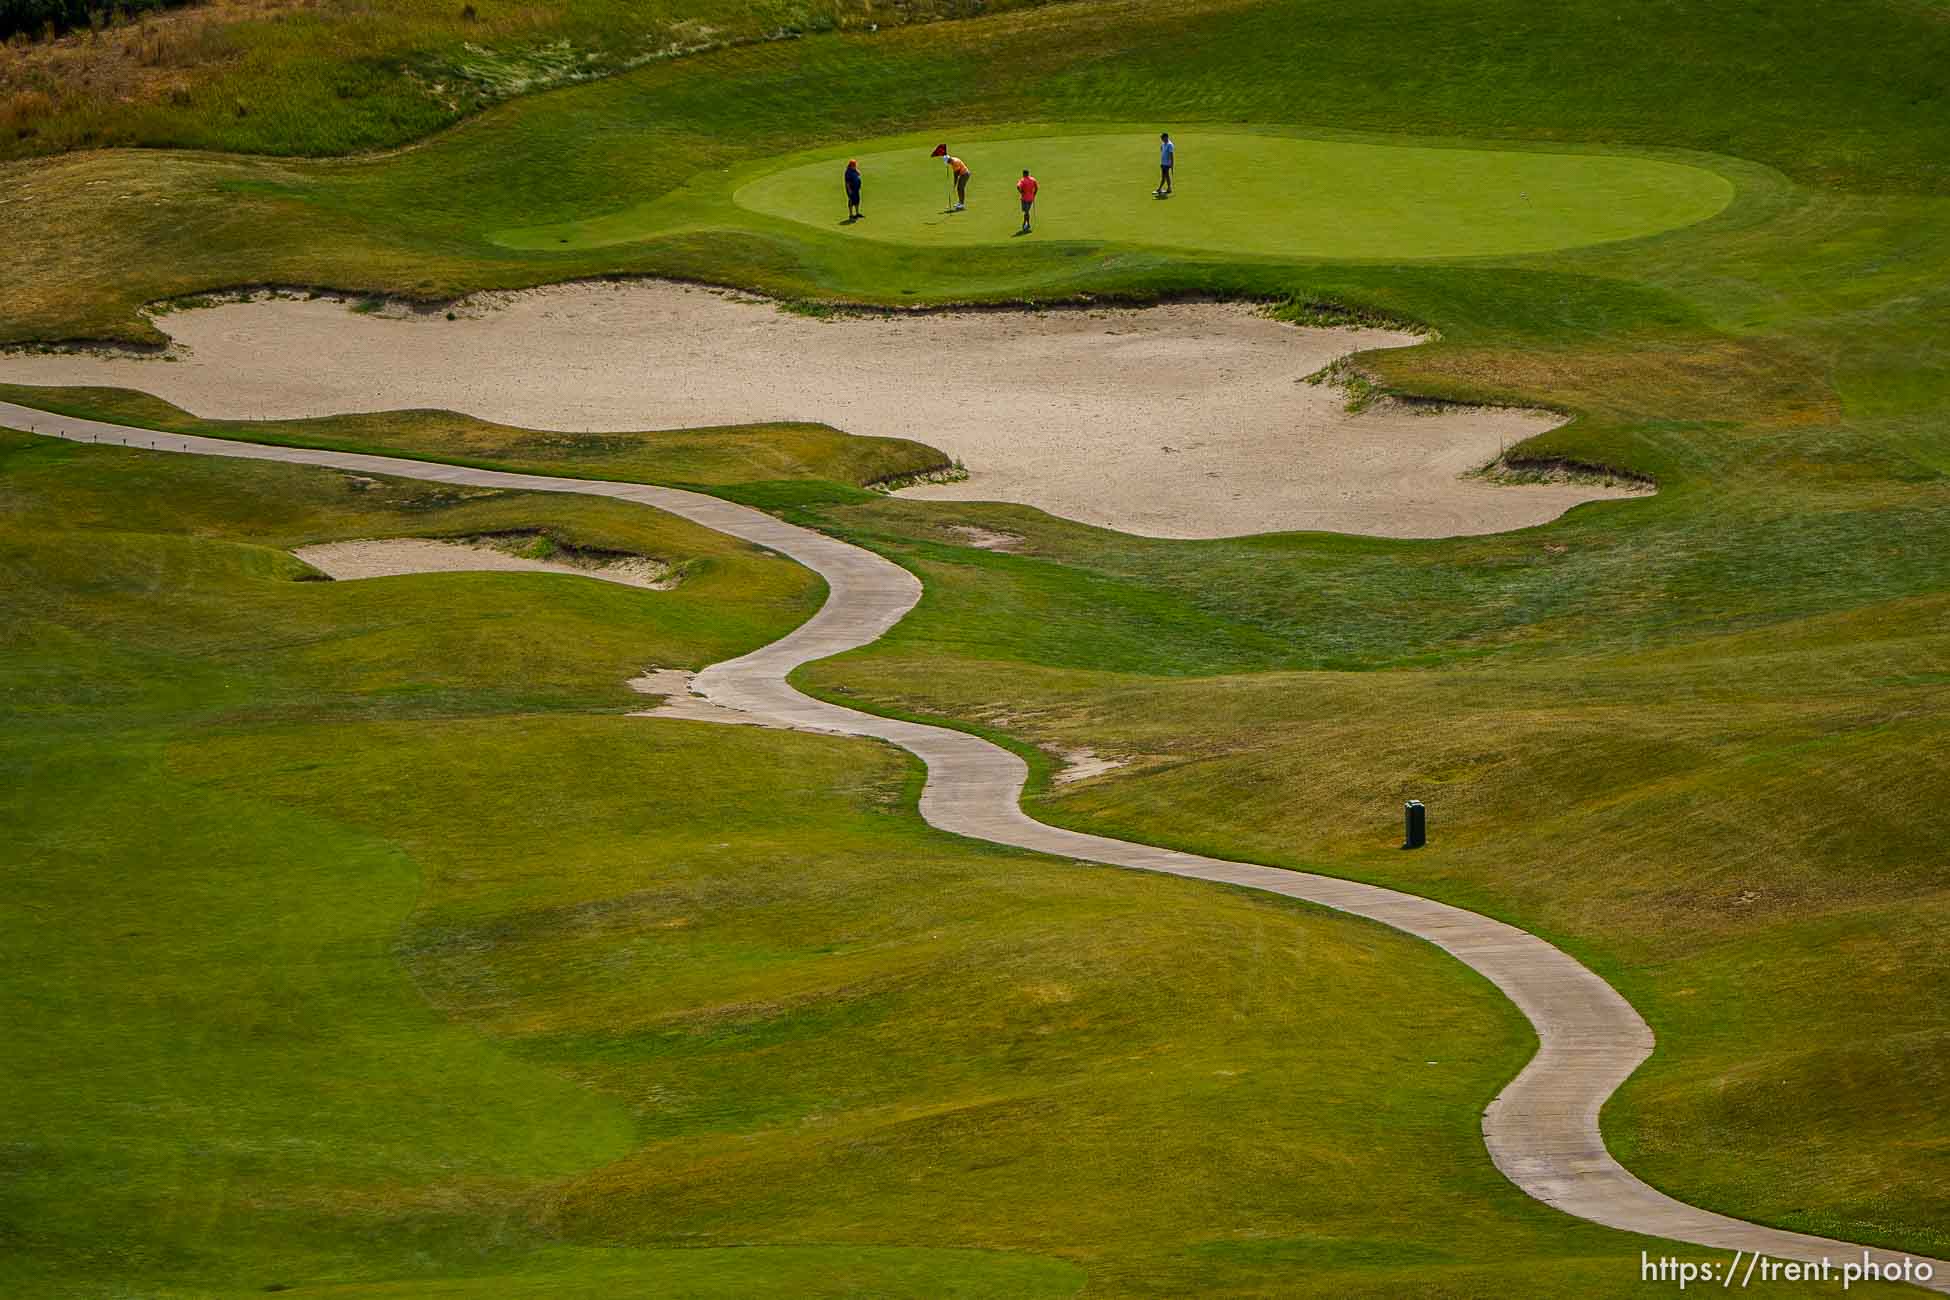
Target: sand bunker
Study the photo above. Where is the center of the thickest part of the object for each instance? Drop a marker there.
(984, 539)
(1082, 764)
(392, 557)
(674, 685)
(1177, 421)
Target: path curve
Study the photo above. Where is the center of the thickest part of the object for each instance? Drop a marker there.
(1542, 1130)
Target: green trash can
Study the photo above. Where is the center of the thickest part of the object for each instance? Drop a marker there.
(1415, 824)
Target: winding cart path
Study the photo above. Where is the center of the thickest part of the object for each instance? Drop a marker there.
(1542, 1130)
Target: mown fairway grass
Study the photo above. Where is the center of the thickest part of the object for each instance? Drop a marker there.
(357, 945)
(1686, 737)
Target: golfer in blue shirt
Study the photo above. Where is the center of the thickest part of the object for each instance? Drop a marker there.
(852, 179)
(1166, 152)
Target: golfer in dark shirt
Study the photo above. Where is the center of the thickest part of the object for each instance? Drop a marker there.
(852, 189)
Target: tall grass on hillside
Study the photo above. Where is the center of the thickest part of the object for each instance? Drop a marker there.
(318, 77)
(29, 17)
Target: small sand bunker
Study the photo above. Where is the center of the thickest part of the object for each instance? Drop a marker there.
(1191, 420)
(674, 684)
(1082, 764)
(391, 557)
(984, 539)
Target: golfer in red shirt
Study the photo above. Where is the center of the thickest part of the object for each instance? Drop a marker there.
(1027, 187)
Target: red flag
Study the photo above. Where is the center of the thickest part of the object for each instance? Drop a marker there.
(940, 151)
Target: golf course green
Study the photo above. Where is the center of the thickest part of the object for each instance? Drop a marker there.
(1247, 192)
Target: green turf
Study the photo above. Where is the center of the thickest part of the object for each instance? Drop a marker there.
(359, 946)
(1721, 821)
(1246, 192)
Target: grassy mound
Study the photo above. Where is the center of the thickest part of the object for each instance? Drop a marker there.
(741, 458)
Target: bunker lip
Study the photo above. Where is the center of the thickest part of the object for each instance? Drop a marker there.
(1187, 420)
(1542, 1131)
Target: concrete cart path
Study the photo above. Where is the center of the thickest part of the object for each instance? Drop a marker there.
(1542, 1130)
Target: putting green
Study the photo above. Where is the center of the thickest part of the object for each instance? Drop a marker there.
(1239, 192)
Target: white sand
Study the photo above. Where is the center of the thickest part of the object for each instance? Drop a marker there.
(1082, 764)
(679, 701)
(1177, 421)
(391, 557)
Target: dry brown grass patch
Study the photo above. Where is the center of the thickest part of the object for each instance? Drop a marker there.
(145, 60)
(20, 109)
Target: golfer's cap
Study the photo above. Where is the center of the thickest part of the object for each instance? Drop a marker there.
(852, 162)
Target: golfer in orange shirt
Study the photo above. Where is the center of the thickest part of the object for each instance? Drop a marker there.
(1027, 187)
(960, 169)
